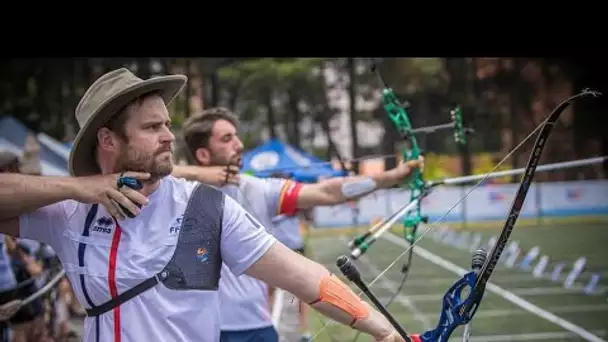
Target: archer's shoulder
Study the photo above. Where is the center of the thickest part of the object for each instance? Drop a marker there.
(183, 188)
(263, 184)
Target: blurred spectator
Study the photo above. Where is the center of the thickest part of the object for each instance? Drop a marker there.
(22, 272)
(9, 162)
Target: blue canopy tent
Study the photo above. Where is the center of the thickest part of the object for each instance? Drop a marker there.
(275, 156)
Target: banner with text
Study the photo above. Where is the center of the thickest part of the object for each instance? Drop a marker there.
(488, 202)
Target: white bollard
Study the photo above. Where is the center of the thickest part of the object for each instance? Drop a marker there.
(530, 256)
(592, 284)
(491, 242)
(539, 270)
(475, 242)
(510, 251)
(578, 267)
(557, 271)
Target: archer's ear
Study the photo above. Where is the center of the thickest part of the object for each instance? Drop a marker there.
(106, 139)
(202, 156)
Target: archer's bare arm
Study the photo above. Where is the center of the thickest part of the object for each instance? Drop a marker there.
(213, 175)
(283, 268)
(331, 191)
(20, 194)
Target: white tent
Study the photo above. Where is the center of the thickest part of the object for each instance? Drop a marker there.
(54, 145)
(47, 168)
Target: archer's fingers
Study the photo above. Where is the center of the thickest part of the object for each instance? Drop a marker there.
(112, 208)
(233, 169)
(137, 175)
(234, 180)
(121, 212)
(134, 195)
(124, 201)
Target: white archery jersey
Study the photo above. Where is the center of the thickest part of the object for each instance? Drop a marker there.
(244, 299)
(286, 228)
(114, 256)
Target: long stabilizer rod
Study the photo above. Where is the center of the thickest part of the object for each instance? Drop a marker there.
(546, 167)
(379, 228)
(399, 213)
(360, 249)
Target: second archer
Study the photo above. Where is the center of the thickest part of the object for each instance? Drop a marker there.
(212, 140)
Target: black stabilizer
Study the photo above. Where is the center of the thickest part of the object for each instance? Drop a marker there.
(350, 271)
(479, 258)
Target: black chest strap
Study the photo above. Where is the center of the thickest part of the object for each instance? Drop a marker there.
(127, 295)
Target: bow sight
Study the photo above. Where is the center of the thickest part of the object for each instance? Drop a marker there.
(417, 186)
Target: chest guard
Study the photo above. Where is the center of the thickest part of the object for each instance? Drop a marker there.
(196, 262)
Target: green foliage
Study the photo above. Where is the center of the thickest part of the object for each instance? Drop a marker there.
(267, 72)
(421, 74)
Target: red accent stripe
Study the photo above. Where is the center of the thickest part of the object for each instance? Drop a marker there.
(288, 201)
(112, 278)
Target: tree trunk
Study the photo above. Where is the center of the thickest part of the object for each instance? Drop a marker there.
(352, 96)
(215, 89)
(515, 108)
(292, 120)
(271, 115)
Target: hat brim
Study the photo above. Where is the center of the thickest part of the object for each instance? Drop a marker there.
(82, 156)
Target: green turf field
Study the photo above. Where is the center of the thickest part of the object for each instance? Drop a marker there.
(498, 319)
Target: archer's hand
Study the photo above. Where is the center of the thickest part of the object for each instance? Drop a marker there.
(393, 337)
(215, 175)
(406, 168)
(103, 189)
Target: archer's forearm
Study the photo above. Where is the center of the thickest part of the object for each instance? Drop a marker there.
(24, 193)
(339, 190)
(188, 172)
(310, 282)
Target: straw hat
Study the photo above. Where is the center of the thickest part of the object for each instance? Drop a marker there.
(104, 98)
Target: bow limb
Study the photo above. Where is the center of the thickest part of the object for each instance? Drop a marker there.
(456, 310)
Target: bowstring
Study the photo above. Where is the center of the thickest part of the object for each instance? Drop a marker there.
(434, 225)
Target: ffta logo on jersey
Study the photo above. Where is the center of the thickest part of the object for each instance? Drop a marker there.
(176, 225)
(104, 225)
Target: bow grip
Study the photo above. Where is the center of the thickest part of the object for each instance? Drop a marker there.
(451, 316)
(132, 183)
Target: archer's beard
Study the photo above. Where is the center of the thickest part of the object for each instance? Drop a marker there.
(223, 161)
(158, 165)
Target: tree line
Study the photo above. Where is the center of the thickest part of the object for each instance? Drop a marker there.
(503, 100)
